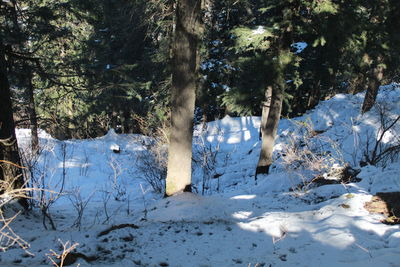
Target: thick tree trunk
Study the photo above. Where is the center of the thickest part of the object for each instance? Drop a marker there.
(374, 81)
(33, 117)
(10, 170)
(184, 79)
(270, 130)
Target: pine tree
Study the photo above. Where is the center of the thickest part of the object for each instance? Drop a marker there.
(184, 80)
(268, 39)
(217, 58)
(11, 174)
(380, 60)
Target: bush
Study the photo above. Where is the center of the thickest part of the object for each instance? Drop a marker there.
(152, 162)
(308, 155)
(385, 146)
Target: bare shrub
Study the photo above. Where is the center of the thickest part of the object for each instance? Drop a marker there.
(58, 258)
(378, 150)
(41, 179)
(8, 238)
(144, 203)
(308, 154)
(84, 169)
(9, 194)
(110, 214)
(30, 161)
(152, 165)
(205, 156)
(152, 162)
(119, 190)
(79, 203)
(106, 196)
(148, 128)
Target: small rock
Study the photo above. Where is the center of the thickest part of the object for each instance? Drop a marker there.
(115, 148)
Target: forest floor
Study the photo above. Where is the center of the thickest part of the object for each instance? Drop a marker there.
(321, 205)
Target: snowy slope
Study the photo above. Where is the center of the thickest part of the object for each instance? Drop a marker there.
(233, 220)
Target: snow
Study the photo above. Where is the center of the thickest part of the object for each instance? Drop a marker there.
(259, 30)
(299, 46)
(237, 221)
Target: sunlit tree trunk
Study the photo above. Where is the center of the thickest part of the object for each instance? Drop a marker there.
(265, 111)
(184, 69)
(270, 128)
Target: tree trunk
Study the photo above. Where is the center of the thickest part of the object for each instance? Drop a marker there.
(374, 81)
(125, 122)
(315, 95)
(10, 170)
(270, 129)
(265, 111)
(184, 78)
(33, 117)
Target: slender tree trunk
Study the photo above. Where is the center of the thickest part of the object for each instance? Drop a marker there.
(184, 79)
(265, 111)
(270, 129)
(374, 82)
(283, 57)
(33, 117)
(275, 109)
(315, 95)
(125, 122)
(10, 170)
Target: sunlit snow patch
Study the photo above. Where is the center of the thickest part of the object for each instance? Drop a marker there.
(300, 46)
(244, 197)
(259, 30)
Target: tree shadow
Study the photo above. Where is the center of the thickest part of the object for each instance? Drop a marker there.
(246, 230)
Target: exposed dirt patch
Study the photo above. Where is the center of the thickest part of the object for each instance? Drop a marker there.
(74, 256)
(387, 204)
(344, 175)
(116, 227)
(341, 175)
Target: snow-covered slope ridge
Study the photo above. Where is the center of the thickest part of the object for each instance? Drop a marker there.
(232, 221)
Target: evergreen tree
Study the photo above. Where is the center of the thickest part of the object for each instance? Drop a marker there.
(184, 80)
(267, 42)
(217, 66)
(377, 53)
(11, 174)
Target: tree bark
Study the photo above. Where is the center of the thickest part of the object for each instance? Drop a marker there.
(10, 170)
(374, 82)
(265, 111)
(315, 95)
(184, 80)
(270, 129)
(32, 117)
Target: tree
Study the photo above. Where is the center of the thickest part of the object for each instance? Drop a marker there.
(382, 40)
(266, 40)
(218, 71)
(272, 117)
(274, 41)
(23, 70)
(184, 80)
(32, 115)
(129, 52)
(10, 163)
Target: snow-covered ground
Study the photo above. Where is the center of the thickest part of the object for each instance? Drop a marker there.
(233, 220)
